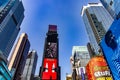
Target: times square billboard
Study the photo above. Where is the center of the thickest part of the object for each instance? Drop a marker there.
(97, 69)
(50, 69)
(110, 45)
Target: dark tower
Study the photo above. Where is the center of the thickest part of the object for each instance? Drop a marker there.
(50, 69)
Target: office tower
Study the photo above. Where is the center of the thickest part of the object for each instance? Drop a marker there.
(19, 55)
(97, 21)
(50, 69)
(30, 66)
(82, 55)
(11, 16)
(79, 59)
(90, 50)
(113, 7)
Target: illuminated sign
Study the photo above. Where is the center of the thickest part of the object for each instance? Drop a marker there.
(51, 50)
(97, 69)
(82, 72)
(5, 6)
(52, 28)
(50, 69)
(110, 45)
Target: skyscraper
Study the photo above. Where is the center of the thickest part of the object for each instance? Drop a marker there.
(79, 59)
(50, 69)
(90, 50)
(113, 7)
(30, 66)
(11, 16)
(19, 55)
(82, 55)
(97, 21)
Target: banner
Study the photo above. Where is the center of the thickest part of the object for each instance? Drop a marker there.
(110, 45)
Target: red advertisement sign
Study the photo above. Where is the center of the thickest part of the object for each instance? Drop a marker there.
(50, 69)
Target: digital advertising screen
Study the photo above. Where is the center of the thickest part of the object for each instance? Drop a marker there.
(50, 69)
(97, 69)
(82, 72)
(51, 50)
(110, 45)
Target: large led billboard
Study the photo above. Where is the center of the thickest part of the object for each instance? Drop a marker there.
(97, 69)
(82, 73)
(50, 69)
(51, 50)
(110, 45)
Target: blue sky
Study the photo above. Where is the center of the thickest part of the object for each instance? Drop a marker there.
(63, 13)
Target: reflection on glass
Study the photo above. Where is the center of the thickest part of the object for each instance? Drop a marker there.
(3, 3)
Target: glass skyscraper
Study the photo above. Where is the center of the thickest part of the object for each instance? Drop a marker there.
(79, 60)
(11, 16)
(19, 56)
(82, 54)
(97, 21)
(113, 7)
(30, 66)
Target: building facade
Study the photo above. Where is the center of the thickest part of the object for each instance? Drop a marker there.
(90, 50)
(80, 58)
(50, 69)
(30, 66)
(19, 56)
(113, 7)
(11, 16)
(97, 21)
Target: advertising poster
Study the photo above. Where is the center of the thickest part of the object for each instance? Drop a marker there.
(51, 50)
(110, 45)
(97, 69)
(50, 69)
(82, 72)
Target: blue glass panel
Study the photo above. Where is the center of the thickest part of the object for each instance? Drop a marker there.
(111, 48)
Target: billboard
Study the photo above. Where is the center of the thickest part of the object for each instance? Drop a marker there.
(51, 50)
(110, 45)
(52, 28)
(97, 69)
(82, 72)
(50, 69)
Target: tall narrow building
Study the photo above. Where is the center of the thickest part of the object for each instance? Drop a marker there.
(80, 58)
(50, 69)
(30, 66)
(113, 7)
(11, 16)
(19, 55)
(97, 21)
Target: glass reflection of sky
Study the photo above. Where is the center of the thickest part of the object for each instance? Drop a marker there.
(109, 53)
(3, 3)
